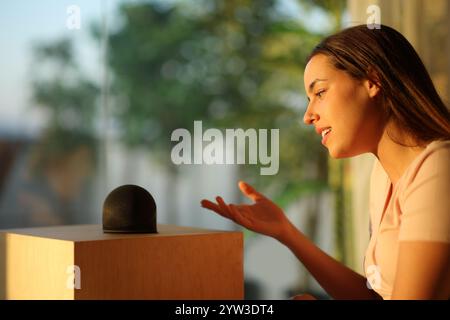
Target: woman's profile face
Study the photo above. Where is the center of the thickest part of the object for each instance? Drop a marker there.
(346, 105)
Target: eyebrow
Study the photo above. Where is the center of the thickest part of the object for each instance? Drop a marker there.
(312, 84)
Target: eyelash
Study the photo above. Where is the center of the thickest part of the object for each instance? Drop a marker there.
(319, 94)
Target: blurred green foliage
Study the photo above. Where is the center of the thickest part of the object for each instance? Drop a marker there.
(69, 98)
(60, 87)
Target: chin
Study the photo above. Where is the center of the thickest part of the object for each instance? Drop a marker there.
(342, 153)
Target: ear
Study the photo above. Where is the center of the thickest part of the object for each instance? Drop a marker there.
(372, 83)
(372, 88)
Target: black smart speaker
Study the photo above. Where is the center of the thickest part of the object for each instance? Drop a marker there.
(129, 209)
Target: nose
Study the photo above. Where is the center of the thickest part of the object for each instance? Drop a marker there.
(309, 117)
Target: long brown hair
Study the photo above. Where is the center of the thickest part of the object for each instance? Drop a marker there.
(385, 57)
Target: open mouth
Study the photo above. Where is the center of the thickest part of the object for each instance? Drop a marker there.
(325, 135)
(325, 132)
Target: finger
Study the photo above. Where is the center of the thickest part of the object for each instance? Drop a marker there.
(214, 207)
(249, 191)
(224, 208)
(209, 205)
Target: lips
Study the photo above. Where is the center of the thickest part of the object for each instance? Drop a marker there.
(325, 132)
(320, 129)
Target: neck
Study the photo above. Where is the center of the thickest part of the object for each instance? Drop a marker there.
(395, 158)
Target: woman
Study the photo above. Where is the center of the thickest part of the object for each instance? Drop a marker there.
(368, 91)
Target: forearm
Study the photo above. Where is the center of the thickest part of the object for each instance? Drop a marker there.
(339, 281)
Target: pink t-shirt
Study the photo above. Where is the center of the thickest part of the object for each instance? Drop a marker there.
(418, 209)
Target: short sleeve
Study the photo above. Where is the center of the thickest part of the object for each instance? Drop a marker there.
(425, 204)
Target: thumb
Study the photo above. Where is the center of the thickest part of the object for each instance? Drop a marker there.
(249, 191)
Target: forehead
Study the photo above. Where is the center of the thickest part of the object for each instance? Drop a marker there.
(318, 67)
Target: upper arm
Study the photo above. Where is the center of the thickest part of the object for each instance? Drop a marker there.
(423, 267)
(425, 203)
(423, 270)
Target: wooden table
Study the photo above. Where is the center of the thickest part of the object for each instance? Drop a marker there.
(82, 262)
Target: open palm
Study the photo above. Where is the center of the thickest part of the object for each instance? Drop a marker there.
(263, 216)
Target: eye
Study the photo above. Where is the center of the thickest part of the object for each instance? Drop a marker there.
(320, 93)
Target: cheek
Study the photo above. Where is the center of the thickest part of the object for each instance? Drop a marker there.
(352, 129)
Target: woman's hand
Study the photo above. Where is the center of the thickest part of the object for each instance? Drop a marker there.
(263, 216)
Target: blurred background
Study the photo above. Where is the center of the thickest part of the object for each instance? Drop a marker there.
(90, 92)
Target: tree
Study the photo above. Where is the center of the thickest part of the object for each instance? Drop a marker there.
(61, 159)
(60, 87)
